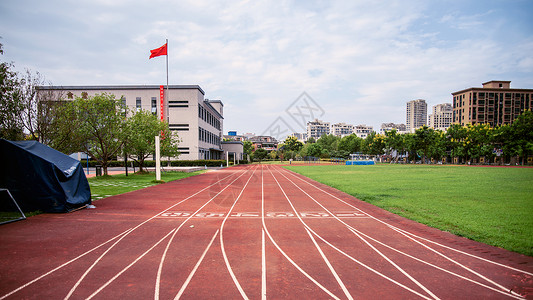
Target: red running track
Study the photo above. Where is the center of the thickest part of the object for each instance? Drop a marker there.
(252, 232)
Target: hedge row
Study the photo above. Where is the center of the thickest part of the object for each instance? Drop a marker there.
(164, 163)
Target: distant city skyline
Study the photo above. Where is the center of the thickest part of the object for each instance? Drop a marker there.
(360, 61)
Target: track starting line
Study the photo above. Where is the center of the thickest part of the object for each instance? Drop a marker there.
(181, 214)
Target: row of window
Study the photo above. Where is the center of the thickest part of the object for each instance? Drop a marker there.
(520, 99)
(208, 117)
(208, 137)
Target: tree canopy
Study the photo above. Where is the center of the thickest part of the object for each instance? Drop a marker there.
(140, 132)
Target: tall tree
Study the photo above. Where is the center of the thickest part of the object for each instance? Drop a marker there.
(99, 126)
(291, 143)
(316, 150)
(140, 130)
(455, 140)
(260, 154)
(522, 135)
(248, 148)
(424, 141)
(349, 144)
(394, 144)
(374, 144)
(328, 142)
(11, 127)
(39, 107)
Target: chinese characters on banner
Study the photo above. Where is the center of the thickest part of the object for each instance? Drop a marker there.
(162, 97)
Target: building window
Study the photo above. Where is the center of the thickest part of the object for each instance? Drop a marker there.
(138, 103)
(154, 106)
(123, 99)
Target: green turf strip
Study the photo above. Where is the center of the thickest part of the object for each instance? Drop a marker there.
(105, 186)
(486, 204)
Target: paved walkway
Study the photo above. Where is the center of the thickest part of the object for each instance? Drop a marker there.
(251, 232)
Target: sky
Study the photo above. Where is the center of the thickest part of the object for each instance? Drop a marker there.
(276, 64)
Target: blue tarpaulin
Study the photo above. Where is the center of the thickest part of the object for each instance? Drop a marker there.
(41, 178)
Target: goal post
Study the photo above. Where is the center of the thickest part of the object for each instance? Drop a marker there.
(9, 209)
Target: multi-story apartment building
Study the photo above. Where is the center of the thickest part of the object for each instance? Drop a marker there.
(317, 128)
(341, 129)
(496, 103)
(302, 137)
(198, 121)
(400, 128)
(416, 114)
(363, 131)
(266, 142)
(442, 116)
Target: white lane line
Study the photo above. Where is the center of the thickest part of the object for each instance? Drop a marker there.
(357, 232)
(462, 252)
(161, 263)
(128, 266)
(128, 231)
(61, 266)
(353, 230)
(459, 264)
(331, 269)
(186, 283)
(92, 266)
(437, 267)
(412, 234)
(263, 267)
(394, 264)
(350, 257)
(226, 261)
(279, 248)
(307, 229)
(409, 233)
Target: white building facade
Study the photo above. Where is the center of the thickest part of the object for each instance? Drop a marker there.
(317, 128)
(342, 129)
(302, 137)
(363, 131)
(198, 121)
(400, 128)
(442, 116)
(416, 114)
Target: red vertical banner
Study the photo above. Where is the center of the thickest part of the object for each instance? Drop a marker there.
(162, 97)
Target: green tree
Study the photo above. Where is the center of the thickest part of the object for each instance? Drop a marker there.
(140, 132)
(374, 144)
(99, 126)
(260, 154)
(291, 143)
(248, 147)
(328, 142)
(273, 154)
(424, 141)
(479, 140)
(455, 140)
(394, 144)
(350, 144)
(521, 137)
(315, 150)
(11, 127)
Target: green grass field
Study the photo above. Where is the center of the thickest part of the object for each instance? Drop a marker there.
(106, 186)
(489, 205)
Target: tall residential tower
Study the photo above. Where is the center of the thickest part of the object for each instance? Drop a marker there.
(416, 114)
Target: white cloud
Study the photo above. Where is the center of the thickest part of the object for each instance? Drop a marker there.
(362, 60)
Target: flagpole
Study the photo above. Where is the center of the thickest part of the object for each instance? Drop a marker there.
(167, 82)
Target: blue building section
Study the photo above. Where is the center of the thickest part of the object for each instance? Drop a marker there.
(359, 162)
(232, 133)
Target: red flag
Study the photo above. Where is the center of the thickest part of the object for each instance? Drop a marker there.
(159, 51)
